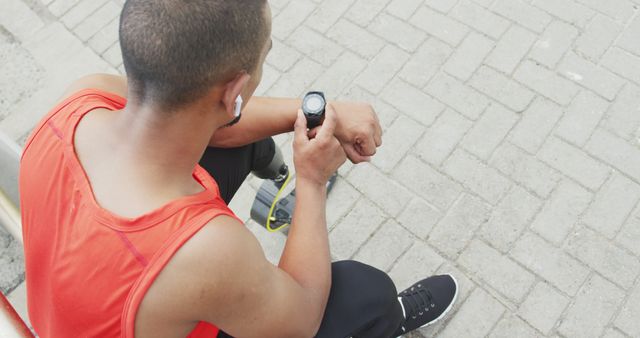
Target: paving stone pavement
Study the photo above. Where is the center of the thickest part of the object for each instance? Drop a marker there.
(511, 153)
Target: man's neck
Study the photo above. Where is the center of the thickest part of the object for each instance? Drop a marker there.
(164, 147)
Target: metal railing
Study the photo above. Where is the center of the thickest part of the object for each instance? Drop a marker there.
(11, 325)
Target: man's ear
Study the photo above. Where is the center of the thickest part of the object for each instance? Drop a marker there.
(232, 90)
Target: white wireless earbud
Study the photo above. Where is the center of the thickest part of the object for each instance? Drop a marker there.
(238, 106)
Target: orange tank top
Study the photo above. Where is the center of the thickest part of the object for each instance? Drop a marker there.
(87, 270)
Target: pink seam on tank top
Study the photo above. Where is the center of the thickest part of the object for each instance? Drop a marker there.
(55, 130)
(132, 248)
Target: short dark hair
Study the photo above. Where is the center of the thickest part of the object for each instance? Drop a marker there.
(174, 50)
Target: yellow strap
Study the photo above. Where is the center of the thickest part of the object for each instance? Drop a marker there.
(273, 206)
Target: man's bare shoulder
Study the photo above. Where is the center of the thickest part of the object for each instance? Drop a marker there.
(115, 84)
(203, 272)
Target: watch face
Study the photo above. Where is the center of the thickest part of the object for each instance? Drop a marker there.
(313, 104)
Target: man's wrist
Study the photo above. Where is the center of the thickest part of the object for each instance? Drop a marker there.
(310, 184)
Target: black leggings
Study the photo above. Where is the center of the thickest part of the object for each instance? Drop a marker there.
(362, 301)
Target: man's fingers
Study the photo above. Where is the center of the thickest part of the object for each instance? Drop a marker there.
(329, 125)
(313, 132)
(366, 147)
(300, 128)
(377, 134)
(353, 155)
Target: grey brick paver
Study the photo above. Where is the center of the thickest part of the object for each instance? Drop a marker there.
(282, 56)
(340, 74)
(417, 262)
(432, 186)
(480, 309)
(439, 26)
(403, 9)
(92, 24)
(591, 76)
(561, 212)
(489, 131)
(386, 193)
(597, 37)
(105, 37)
(501, 88)
(613, 333)
(581, 118)
(398, 31)
(327, 13)
(511, 148)
(546, 82)
(550, 263)
(525, 169)
(385, 246)
(510, 49)
(314, 45)
(458, 96)
(523, 13)
(382, 69)
(581, 319)
(535, 125)
(629, 235)
(80, 12)
(596, 251)
(59, 7)
(412, 102)
(569, 11)
(483, 180)
(468, 56)
(480, 18)
(363, 11)
(629, 39)
(510, 218)
(512, 326)
(627, 320)
(571, 161)
(425, 62)
(285, 22)
(355, 229)
(452, 234)
(612, 205)
(343, 198)
(399, 139)
(419, 217)
(553, 43)
(623, 63)
(543, 307)
(442, 137)
(297, 79)
(622, 117)
(499, 271)
(626, 158)
(621, 10)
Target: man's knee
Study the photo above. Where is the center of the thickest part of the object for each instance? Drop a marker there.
(369, 286)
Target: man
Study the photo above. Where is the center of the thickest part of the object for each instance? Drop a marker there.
(126, 235)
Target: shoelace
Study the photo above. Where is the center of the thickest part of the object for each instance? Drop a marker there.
(419, 301)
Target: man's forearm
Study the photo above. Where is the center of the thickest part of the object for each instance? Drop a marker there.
(262, 117)
(306, 254)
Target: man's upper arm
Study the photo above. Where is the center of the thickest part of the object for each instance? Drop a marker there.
(115, 84)
(238, 290)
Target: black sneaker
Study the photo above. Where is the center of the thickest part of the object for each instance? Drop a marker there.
(426, 301)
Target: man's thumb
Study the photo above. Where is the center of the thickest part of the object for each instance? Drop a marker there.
(300, 128)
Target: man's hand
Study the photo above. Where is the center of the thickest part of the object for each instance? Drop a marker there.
(358, 130)
(316, 158)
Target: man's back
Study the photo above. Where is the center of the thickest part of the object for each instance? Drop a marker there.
(87, 268)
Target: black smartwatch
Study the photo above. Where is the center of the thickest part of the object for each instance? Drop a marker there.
(313, 105)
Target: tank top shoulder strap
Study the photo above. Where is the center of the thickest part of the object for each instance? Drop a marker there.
(159, 261)
(72, 106)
